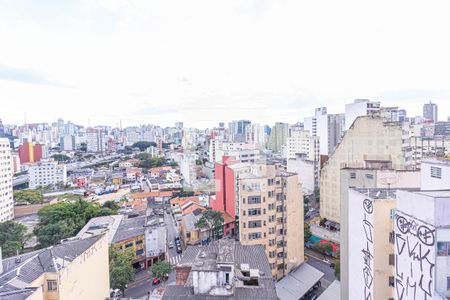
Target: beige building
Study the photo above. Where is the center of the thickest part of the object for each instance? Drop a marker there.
(368, 139)
(371, 262)
(6, 187)
(269, 207)
(73, 270)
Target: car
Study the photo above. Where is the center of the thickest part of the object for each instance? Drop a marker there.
(170, 245)
(179, 250)
(332, 265)
(156, 281)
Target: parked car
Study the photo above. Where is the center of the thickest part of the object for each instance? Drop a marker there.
(179, 250)
(156, 281)
(170, 245)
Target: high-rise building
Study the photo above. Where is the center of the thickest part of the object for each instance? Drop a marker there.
(6, 187)
(301, 142)
(368, 139)
(267, 203)
(29, 152)
(278, 136)
(237, 130)
(442, 128)
(67, 142)
(94, 140)
(430, 112)
(179, 125)
(360, 107)
(328, 127)
(45, 173)
(2, 129)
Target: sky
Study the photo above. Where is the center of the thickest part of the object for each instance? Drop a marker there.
(160, 61)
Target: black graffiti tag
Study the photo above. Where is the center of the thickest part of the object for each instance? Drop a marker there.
(425, 235)
(403, 225)
(368, 206)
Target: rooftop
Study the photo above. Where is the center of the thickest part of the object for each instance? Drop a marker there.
(20, 271)
(437, 160)
(99, 225)
(297, 283)
(130, 228)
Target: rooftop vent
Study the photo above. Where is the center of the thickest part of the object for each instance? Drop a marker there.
(245, 267)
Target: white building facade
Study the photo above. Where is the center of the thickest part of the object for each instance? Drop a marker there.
(6, 187)
(45, 173)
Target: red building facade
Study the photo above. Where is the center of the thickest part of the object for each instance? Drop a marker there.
(29, 153)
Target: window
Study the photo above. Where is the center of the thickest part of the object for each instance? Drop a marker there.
(271, 194)
(52, 285)
(270, 181)
(392, 237)
(227, 278)
(139, 252)
(128, 245)
(139, 242)
(391, 281)
(254, 236)
(442, 248)
(391, 259)
(392, 213)
(369, 176)
(254, 199)
(448, 283)
(353, 175)
(254, 224)
(436, 172)
(254, 212)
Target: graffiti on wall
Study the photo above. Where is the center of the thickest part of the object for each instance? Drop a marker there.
(414, 258)
(367, 250)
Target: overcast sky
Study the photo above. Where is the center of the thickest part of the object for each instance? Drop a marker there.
(161, 61)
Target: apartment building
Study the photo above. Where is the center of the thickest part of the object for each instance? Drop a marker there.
(360, 107)
(371, 261)
(328, 127)
(278, 136)
(430, 112)
(47, 172)
(301, 142)
(6, 188)
(72, 270)
(29, 152)
(308, 172)
(67, 142)
(94, 140)
(395, 241)
(368, 139)
(269, 208)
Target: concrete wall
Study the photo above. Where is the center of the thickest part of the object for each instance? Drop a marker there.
(368, 138)
(87, 277)
(430, 183)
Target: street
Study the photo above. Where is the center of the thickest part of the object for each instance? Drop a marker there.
(318, 261)
(142, 283)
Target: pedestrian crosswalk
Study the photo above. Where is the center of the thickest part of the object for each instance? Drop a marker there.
(175, 259)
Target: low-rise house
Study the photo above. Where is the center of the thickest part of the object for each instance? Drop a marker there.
(75, 269)
(224, 269)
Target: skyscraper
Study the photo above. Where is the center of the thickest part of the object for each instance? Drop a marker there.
(6, 196)
(430, 111)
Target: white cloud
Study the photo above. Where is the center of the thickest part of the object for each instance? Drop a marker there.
(204, 61)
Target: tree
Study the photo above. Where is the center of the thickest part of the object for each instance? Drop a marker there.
(111, 205)
(307, 232)
(121, 270)
(325, 248)
(161, 269)
(211, 220)
(142, 145)
(337, 269)
(60, 157)
(12, 237)
(30, 196)
(63, 220)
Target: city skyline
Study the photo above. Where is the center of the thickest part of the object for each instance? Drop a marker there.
(146, 62)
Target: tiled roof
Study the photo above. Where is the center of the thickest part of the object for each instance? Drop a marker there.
(20, 271)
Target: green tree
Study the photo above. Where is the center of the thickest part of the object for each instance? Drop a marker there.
(12, 237)
(161, 270)
(325, 248)
(60, 157)
(111, 204)
(211, 220)
(121, 270)
(142, 145)
(337, 269)
(307, 232)
(30, 196)
(63, 220)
